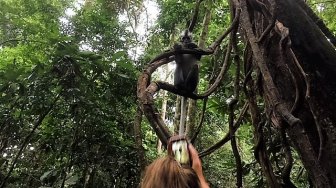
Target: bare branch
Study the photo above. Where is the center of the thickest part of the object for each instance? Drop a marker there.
(234, 147)
(194, 18)
(225, 67)
(145, 95)
(219, 40)
(227, 137)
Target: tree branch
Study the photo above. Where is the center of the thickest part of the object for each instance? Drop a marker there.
(235, 151)
(195, 15)
(145, 92)
(276, 103)
(227, 137)
(193, 138)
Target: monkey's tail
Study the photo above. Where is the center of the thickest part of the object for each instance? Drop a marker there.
(183, 115)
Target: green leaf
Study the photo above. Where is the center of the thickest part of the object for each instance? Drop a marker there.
(118, 55)
(46, 175)
(72, 180)
(123, 75)
(126, 65)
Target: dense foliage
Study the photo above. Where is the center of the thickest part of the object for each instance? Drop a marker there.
(68, 93)
(63, 114)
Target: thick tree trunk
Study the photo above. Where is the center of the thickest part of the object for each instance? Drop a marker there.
(317, 57)
(303, 68)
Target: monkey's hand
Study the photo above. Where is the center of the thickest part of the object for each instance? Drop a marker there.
(177, 46)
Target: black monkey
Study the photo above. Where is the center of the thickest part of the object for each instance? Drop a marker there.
(186, 73)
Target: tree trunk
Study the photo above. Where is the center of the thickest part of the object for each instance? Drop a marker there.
(303, 69)
(138, 139)
(177, 114)
(317, 57)
(164, 97)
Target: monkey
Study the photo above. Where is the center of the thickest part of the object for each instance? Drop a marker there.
(186, 72)
(186, 75)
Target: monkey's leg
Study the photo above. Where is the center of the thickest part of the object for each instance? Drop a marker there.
(192, 79)
(178, 77)
(183, 115)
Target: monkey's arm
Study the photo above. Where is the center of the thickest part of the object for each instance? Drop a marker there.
(198, 51)
(192, 45)
(179, 46)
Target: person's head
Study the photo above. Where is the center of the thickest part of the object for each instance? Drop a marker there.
(168, 173)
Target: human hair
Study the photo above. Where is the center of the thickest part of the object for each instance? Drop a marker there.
(168, 173)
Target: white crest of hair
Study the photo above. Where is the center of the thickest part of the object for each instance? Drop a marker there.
(186, 32)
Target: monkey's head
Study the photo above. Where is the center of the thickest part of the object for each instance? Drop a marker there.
(186, 37)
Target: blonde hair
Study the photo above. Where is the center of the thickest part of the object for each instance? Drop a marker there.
(168, 173)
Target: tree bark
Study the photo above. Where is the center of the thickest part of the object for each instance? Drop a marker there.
(164, 104)
(138, 139)
(177, 114)
(301, 64)
(317, 57)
